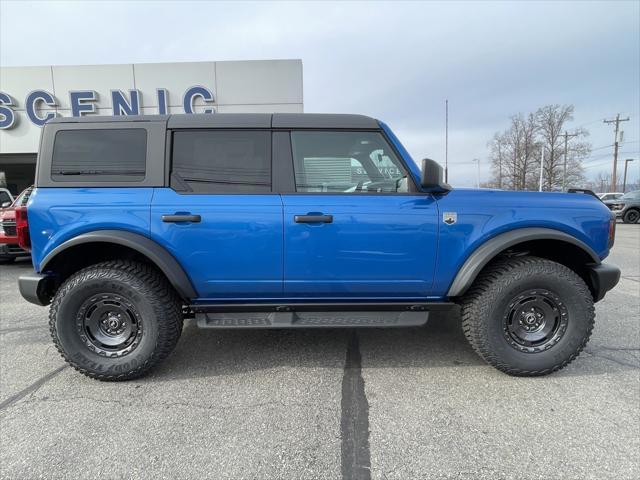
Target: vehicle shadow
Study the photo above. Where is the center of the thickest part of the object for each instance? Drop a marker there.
(230, 352)
(439, 344)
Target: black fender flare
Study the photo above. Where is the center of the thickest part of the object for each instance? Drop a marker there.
(489, 249)
(160, 257)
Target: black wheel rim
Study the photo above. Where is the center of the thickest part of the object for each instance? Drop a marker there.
(109, 325)
(535, 321)
(632, 217)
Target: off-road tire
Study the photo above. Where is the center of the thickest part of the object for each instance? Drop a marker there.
(149, 294)
(631, 216)
(486, 305)
(7, 260)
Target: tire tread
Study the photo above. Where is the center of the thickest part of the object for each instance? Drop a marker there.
(477, 304)
(154, 285)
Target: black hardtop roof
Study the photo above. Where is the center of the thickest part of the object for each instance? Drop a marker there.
(238, 120)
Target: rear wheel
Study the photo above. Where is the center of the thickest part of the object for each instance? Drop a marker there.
(528, 316)
(115, 320)
(631, 216)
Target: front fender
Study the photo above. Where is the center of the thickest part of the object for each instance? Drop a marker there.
(489, 249)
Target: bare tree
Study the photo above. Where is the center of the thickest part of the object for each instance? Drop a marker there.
(515, 153)
(552, 123)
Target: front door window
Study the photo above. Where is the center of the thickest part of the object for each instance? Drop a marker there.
(346, 162)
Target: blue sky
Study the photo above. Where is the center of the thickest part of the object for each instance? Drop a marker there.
(395, 61)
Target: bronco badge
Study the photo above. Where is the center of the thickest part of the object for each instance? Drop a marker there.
(450, 217)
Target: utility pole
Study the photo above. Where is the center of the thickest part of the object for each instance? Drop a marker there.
(624, 182)
(566, 136)
(477, 160)
(541, 167)
(499, 166)
(446, 141)
(617, 121)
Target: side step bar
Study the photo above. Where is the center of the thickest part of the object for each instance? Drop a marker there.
(315, 315)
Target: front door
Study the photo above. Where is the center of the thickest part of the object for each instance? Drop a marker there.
(220, 219)
(355, 228)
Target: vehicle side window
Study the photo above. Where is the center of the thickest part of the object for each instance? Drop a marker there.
(346, 162)
(4, 197)
(221, 161)
(23, 198)
(99, 154)
(631, 196)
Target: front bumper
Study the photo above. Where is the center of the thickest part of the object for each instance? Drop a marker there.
(12, 250)
(617, 209)
(35, 288)
(603, 278)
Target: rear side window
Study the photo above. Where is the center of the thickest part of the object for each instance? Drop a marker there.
(99, 155)
(219, 161)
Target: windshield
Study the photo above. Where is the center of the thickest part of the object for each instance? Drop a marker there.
(22, 198)
(632, 195)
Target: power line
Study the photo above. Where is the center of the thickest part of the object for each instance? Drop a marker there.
(602, 155)
(611, 145)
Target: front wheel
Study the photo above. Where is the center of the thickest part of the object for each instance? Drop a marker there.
(631, 216)
(528, 316)
(115, 320)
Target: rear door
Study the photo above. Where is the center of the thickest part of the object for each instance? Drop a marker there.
(355, 226)
(219, 217)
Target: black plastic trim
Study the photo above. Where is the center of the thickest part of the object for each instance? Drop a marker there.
(109, 119)
(237, 120)
(322, 307)
(144, 245)
(220, 120)
(34, 287)
(322, 120)
(282, 176)
(488, 250)
(603, 278)
(181, 218)
(313, 218)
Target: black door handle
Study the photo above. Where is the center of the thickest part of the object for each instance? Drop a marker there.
(313, 218)
(181, 218)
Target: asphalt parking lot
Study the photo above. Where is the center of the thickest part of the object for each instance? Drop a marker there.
(290, 404)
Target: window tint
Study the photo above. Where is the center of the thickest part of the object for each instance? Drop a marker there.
(346, 162)
(219, 161)
(4, 197)
(100, 154)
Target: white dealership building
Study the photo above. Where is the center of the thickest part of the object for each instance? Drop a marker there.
(30, 96)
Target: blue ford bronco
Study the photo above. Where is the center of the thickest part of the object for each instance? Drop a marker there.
(294, 221)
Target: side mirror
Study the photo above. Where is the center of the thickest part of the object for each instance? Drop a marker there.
(5, 204)
(431, 179)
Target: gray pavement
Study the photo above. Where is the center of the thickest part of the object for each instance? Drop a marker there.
(281, 404)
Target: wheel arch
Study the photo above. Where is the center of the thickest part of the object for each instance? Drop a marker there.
(634, 208)
(544, 242)
(143, 246)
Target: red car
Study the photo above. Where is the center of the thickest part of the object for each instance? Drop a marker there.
(9, 249)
